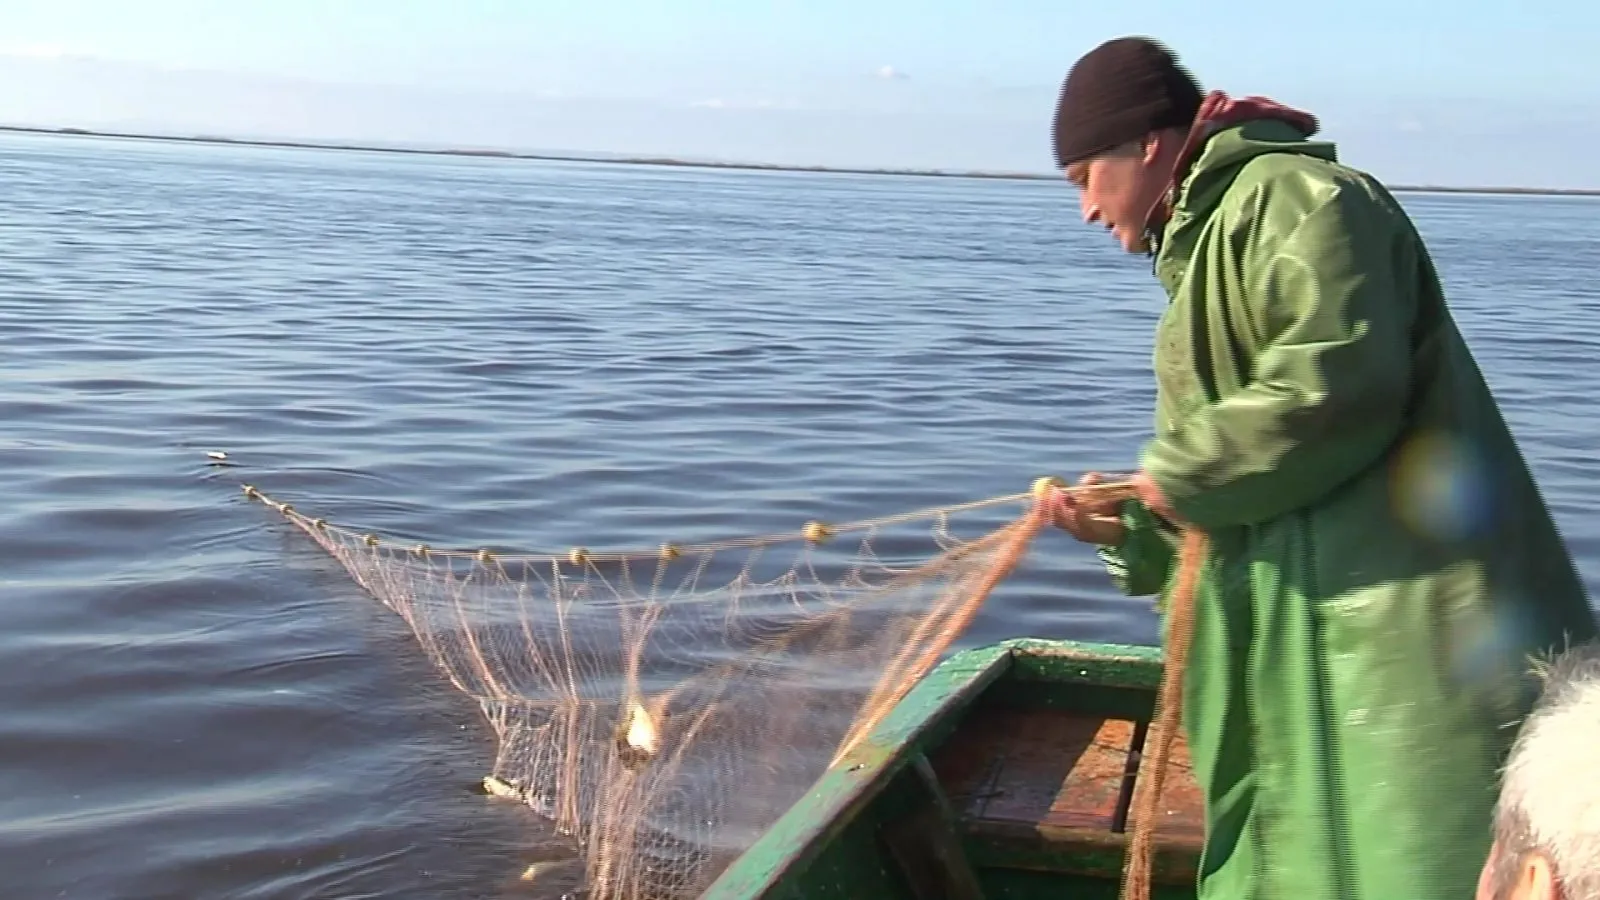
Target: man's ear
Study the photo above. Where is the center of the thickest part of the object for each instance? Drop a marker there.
(1156, 142)
(1151, 147)
(1535, 879)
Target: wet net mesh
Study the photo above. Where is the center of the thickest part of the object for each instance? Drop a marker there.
(663, 708)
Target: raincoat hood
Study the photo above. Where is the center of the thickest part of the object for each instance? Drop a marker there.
(1229, 132)
(1227, 136)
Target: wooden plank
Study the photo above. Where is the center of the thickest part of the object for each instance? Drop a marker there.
(926, 843)
(1076, 851)
(1037, 766)
(784, 850)
(1183, 806)
(1046, 788)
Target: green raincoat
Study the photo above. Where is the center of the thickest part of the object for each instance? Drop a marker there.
(1382, 565)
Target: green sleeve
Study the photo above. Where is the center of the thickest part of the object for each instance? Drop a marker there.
(1141, 563)
(1327, 393)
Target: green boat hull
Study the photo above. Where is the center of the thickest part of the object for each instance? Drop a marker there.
(1005, 773)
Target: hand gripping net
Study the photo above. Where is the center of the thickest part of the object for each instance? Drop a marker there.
(663, 708)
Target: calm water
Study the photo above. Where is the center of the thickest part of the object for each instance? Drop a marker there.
(199, 704)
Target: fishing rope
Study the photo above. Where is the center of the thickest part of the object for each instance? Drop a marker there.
(814, 531)
(1015, 539)
(1167, 718)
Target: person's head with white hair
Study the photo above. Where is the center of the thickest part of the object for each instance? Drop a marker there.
(1547, 821)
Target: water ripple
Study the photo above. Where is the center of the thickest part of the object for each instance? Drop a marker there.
(199, 704)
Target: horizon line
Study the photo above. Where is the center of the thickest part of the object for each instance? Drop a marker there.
(680, 162)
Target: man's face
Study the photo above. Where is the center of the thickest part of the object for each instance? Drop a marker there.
(1118, 189)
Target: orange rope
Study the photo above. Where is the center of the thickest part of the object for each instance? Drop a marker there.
(1167, 719)
(900, 677)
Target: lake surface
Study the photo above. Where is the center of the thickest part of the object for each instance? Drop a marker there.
(199, 703)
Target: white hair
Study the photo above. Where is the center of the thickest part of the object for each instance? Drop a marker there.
(1550, 798)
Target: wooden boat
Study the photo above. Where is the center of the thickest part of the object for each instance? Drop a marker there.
(1006, 773)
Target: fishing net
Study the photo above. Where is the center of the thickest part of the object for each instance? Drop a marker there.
(663, 708)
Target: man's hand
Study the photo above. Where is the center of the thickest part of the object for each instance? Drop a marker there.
(1093, 522)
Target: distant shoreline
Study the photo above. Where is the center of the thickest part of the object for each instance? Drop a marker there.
(686, 163)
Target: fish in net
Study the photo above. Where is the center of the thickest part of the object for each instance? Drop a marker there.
(663, 708)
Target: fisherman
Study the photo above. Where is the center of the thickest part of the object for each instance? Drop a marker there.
(1547, 822)
(1381, 565)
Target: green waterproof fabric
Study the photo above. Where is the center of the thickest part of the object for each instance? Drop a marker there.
(1382, 564)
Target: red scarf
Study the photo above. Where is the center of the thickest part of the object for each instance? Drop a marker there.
(1218, 111)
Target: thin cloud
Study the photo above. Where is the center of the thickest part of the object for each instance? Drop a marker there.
(759, 103)
(890, 73)
(42, 51)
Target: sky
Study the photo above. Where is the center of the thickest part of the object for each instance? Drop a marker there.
(1488, 93)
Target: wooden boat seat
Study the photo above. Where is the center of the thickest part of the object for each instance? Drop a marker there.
(1039, 788)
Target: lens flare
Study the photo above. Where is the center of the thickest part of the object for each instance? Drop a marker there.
(1441, 488)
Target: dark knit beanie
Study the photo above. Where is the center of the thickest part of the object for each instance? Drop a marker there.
(1118, 92)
